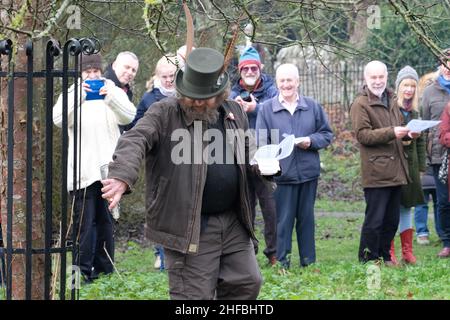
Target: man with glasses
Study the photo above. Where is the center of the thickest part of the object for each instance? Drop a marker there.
(250, 91)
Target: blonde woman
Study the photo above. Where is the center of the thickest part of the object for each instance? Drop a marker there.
(159, 86)
(411, 194)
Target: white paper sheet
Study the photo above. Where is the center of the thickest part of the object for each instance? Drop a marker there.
(416, 125)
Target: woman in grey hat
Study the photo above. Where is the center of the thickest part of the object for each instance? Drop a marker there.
(411, 194)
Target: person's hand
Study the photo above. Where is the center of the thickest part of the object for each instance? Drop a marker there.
(247, 106)
(86, 87)
(107, 87)
(413, 135)
(305, 143)
(400, 132)
(112, 190)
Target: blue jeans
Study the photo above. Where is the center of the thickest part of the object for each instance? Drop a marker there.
(421, 214)
(159, 251)
(443, 206)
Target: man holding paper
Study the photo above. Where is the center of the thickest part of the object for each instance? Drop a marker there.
(292, 114)
(377, 121)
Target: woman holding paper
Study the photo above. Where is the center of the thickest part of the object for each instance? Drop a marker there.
(411, 194)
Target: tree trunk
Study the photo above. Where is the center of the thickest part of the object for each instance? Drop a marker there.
(19, 175)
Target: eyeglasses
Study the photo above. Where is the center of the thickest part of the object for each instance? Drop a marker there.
(247, 69)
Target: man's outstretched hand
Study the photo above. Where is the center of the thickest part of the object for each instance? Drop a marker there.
(112, 190)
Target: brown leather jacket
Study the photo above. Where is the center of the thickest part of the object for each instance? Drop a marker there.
(174, 191)
(383, 162)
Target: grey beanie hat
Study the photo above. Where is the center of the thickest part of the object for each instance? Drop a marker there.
(406, 73)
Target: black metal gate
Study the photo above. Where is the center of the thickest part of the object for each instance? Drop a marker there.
(67, 239)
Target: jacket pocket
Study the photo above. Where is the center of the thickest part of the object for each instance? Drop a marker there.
(383, 167)
(159, 196)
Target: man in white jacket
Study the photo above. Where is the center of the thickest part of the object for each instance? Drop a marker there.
(99, 116)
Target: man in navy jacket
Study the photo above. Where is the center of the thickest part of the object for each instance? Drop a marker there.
(291, 113)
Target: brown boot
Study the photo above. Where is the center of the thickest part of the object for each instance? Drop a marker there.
(392, 253)
(406, 238)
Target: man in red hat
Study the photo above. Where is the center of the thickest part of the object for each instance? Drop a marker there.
(250, 91)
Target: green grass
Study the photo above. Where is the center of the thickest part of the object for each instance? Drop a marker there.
(336, 275)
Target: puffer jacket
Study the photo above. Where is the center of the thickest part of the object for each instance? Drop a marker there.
(174, 189)
(383, 161)
(433, 103)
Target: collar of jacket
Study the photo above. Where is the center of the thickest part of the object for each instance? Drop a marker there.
(301, 104)
(111, 75)
(189, 119)
(374, 100)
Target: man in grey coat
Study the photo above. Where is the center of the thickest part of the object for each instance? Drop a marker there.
(197, 166)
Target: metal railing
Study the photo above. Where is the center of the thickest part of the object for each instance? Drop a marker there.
(66, 241)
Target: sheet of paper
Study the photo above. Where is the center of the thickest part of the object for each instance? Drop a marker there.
(416, 125)
(300, 139)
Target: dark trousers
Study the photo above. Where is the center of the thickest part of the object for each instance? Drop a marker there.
(380, 222)
(96, 231)
(295, 205)
(443, 205)
(224, 268)
(258, 190)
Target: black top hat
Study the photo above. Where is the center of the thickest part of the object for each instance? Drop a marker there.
(201, 78)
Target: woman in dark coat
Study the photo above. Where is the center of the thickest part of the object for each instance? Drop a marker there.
(412, 195)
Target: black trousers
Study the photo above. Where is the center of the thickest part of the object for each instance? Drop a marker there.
(95, 233)
(259, 191)
(380, 222)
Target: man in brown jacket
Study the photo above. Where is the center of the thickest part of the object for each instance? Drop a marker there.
(197, 154)
(377, 123)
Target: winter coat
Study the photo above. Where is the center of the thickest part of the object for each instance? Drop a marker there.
(433, 103)
(308, 120)
(266, 90)
(412, 193)
(174, 190)
(99, 131)
(444, 137)
(383, 161)
(147, 100)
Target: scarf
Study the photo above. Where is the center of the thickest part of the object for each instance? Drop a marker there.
(407, 105)
(166, 92)
(444, 83)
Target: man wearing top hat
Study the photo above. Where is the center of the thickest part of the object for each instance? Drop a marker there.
(197, 195)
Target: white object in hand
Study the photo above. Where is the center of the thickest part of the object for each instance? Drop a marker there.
(268, 166)
(115, 212)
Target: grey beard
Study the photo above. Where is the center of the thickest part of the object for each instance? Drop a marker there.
(210, 115)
